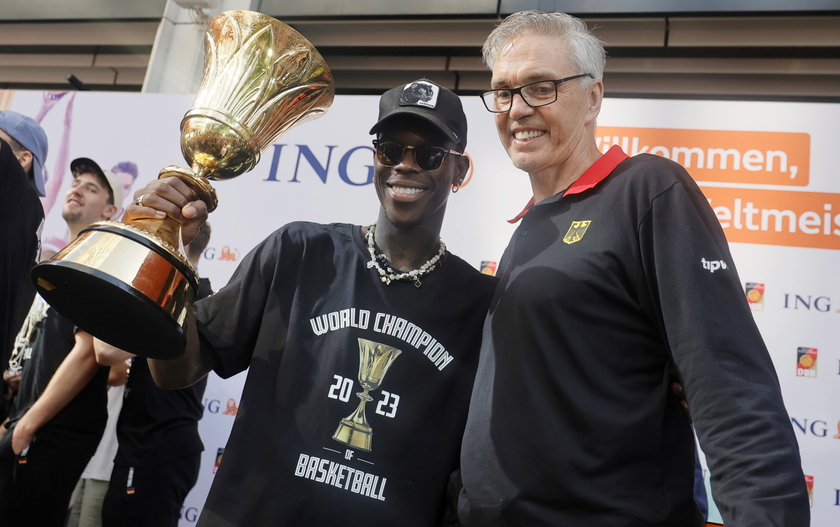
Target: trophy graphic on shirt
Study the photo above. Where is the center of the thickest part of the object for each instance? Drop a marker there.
(130, 283)
(374, 361)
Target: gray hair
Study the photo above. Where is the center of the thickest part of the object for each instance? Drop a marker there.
(586, 51)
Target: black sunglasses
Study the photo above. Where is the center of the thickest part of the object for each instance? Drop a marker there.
(427, 157)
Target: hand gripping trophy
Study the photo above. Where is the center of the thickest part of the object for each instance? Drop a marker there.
(130, 284)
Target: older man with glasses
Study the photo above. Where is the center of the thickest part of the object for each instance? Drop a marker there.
(606, 285)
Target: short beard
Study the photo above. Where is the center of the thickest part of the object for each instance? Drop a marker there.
(71, 216)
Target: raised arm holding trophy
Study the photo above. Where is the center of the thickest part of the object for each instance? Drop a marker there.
(303, 450)
(260, 78)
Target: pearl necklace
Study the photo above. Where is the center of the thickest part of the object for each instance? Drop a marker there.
(387, 274)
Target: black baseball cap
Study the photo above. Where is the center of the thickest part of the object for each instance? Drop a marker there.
(427, 100)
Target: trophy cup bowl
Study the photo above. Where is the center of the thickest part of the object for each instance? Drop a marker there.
(130, 284)
(374, 361)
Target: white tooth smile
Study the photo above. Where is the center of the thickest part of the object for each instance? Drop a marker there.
(406, 190)
(530, 134)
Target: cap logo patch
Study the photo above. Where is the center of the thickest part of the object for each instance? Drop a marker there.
(419, 94)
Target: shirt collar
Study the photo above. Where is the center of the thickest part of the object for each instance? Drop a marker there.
(593, 175)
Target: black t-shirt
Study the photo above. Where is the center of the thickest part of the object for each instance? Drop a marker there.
(155, 425)
(21, 220)
(306, 314)
(79, 425)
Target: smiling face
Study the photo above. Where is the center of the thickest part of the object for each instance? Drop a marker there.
(543, 141)
(409, 195)
(86, 201)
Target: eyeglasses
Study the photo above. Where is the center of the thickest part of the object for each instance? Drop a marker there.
(540, 93)
(427, 157)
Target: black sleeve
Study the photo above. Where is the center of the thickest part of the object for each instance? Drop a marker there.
(21, 220)
(229, 321)
(730, 381)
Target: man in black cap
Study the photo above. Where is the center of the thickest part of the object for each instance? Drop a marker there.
(23, 149)
(361, 342)
(59, 412)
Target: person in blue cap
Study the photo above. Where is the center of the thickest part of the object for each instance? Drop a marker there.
(23, 150)
(28, 142)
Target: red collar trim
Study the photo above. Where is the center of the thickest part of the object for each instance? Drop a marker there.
(593, 175)
(598, 171)
(523, 213)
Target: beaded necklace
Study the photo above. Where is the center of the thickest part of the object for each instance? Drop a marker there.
(387, 274)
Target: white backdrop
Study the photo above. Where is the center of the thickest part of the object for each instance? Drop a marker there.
(767, 168)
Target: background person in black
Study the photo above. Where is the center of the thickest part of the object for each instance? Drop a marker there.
(159, 452)
(89, 493)
(303, 310)
(605, 284)
(23, 150)
(59, 411)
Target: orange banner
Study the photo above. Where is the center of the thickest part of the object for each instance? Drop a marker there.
(764, 158)
(777, 217)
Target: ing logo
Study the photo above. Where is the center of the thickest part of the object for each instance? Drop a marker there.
(190, 514)
(807, 303)
(810, 427)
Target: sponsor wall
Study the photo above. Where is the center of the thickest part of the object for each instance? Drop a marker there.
(765, 167)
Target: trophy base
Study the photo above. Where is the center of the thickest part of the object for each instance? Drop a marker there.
(119, 284)
(354, 434)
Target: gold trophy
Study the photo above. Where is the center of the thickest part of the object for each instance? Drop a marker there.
(130, 284)
(374, 361)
